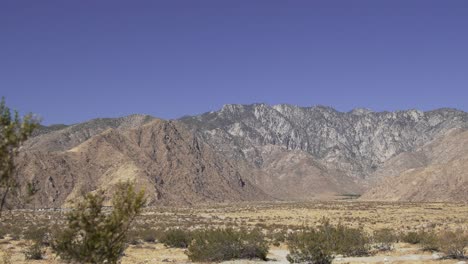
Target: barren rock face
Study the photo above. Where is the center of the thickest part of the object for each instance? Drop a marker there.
(442, 174)
(250, 152)
(356, 142)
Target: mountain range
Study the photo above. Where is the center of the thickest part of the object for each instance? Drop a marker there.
(252, 153)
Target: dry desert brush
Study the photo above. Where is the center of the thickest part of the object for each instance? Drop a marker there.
(227, 244)
(94, 235)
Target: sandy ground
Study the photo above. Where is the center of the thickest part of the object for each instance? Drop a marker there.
(157, 253)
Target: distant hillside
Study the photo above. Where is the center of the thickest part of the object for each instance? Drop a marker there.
(253, 152)
(163, 157)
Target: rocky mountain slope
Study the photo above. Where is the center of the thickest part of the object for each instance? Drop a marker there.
(250, 152)
(163, 157)
(344, 150)
(438, 171)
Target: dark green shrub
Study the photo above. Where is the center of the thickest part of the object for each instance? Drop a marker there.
(318, 245)
(93, 235)
(429, 241)
(384, 239)
(227, 244)
(412, 237)
(310, 246)
(176, 238)
(348, 241)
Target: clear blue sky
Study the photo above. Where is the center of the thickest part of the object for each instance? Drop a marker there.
(74, 60)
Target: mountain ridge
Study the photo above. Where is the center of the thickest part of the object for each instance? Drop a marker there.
(254, 152)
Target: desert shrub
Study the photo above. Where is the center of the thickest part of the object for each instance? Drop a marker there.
(35, 250)
(278, 237)
(310, 246)
(227, 244)
(37, 237)
(320, 244)
(36, 234)
(136, 236)
(93, 235)
(177, 238)
(411, 237)
(454, 244)
(384, 239)
(429, 241)
(348, 241)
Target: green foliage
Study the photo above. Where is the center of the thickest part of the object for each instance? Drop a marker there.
(177, 238)
(310, 246)
(345, 240)
(13, 132)
(412, 237)
(317, 245)
(384, 239)
(93, 235)
(454, 244)
(429, 241)
(227, 244)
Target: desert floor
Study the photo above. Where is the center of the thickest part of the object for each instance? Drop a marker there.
(270, 217)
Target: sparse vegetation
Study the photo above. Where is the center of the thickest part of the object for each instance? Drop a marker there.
(177, 238)
(454, 244)
(34, 250)
(227, 244)
(95, 236)
(319, 245)
(278, 221)
(384, 239)
(310, 246)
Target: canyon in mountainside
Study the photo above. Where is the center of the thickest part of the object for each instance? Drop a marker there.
(252, 153)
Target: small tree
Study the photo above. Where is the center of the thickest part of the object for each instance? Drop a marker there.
(13, 132)
(93, 235)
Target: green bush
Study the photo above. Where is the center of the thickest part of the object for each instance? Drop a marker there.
(320, 244)
(411, 237)
(429, 241)
(176, 238)
(348, 241)
(227, 244)
(310, 246)
(93, 235)
(384, 239)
